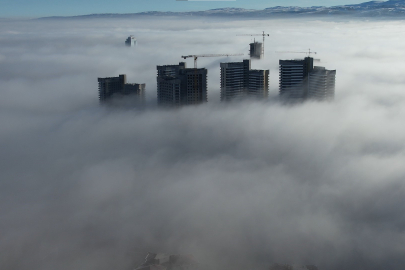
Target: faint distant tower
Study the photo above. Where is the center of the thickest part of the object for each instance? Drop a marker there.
(130, 41)
(110, 86)
(293, 78)
(321, 84)
(238, 81)
(256, 50)
(178, 85)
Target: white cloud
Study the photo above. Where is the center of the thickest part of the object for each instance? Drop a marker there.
(89, 187)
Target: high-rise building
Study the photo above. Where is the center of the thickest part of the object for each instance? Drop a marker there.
(256, 49)
(322, 84)
(178, 85)
(130, 41)
(293, 79)
(234, 80)
(114, 86)
(136, 90)
(258, 83)
(239, 81)
(300, 80)
(109, 86)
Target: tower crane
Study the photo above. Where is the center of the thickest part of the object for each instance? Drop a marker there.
(309, 52)
(207, 55)
(204, 55)
(262, 34)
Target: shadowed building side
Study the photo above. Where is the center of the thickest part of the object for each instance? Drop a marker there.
(194, 86)
(238, 81)
(168, 91)
(135, 89)
(178, 85)
(115, 86)
(258, 83)
(109, 86)
(256, 50)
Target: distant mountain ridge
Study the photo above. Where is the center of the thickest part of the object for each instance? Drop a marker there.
(391, 8)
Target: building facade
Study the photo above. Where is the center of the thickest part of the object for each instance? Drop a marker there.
(109, 86)
(178, 85)
(322, 84)
(256, 50)
(258, 86)
(135, 90)
(117, 86)
(238, 81)
(234, 80)
(130, 41)
(293, 78)
(300, 80)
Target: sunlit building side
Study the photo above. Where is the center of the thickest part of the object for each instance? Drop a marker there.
(322, 84)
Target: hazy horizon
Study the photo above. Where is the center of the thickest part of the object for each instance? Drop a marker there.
(42, 8)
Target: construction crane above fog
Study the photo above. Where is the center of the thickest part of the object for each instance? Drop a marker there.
(207, 55)
(262, 34)
(309, 52)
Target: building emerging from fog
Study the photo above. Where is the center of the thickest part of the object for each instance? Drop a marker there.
(130, 41)
(293, 79)
(239, 81)
(322, 84)
(256, 50)
(178, 85)
(117, 86)
(300, 80)
(258, 85)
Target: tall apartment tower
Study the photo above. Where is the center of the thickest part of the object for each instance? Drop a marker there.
(322, 84)
(136, 90)
(178, 85)
(110, 86)
(258, 83)
(234, 80)
(256, 49)
(300, 80)
(130, 41)
(293, 79)
(239, 81)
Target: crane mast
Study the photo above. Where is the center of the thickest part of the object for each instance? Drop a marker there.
(195, 57)
(309, 52)
(262, 34)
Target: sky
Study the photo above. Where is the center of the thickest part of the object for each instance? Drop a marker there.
(239, 186)
(41, 8)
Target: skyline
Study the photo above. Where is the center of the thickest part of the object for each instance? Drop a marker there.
(43, 8)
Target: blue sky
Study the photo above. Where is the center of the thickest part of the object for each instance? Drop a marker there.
(38, 8)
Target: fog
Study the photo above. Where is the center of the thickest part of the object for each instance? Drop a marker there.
(242, 185)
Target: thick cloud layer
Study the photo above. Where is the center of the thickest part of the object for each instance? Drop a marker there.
(238, 185)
